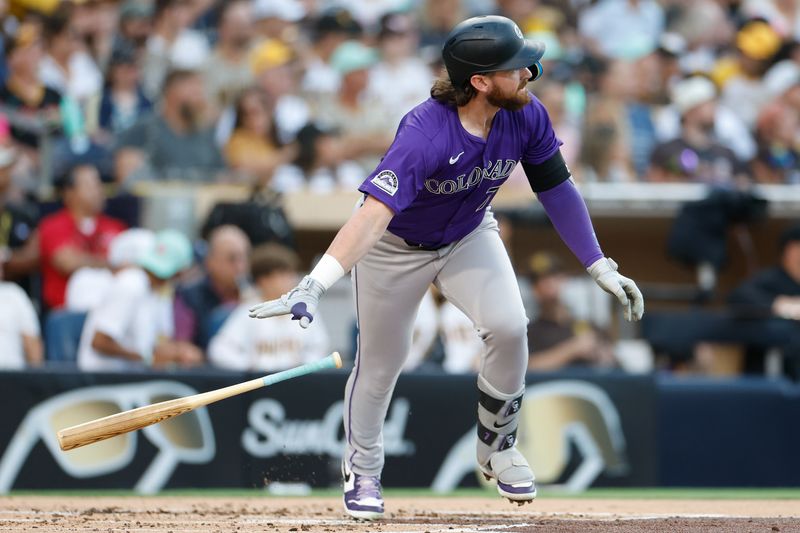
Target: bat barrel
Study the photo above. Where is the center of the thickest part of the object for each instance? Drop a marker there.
(117, 424)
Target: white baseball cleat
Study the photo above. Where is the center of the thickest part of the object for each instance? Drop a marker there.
(362, 495)
(515, 479)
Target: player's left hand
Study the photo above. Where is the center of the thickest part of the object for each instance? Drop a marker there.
(301, 302)
(604, 272)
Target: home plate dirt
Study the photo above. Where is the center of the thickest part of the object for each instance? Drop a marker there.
(441, 515)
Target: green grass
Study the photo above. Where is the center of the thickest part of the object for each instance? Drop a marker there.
(608, 493)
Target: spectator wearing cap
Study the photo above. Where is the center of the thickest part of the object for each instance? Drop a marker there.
(76, 236)
(775, 292)
(400, 80)
(172, 45)
(88, 286)
(123, 100)
(174, 143)
(363, 134)
(132, 327)
(696, 155)
(66, 66)
(740, 77)
(23, 91)
(276, 73)
(329, 30)
(555, 339)
(253, 150)
(271, 345)
(19, 250)
(227, 72)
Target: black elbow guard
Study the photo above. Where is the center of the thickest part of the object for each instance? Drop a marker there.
(546, 175)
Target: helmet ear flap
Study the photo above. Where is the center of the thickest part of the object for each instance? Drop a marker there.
(537, 70)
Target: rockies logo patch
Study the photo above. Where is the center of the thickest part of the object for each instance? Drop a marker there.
(386, 181)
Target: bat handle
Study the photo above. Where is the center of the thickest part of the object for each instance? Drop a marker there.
(334, 360)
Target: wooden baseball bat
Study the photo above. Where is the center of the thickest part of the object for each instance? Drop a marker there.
(133, 419)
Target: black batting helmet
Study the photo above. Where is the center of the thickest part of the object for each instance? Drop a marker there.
(488, 44)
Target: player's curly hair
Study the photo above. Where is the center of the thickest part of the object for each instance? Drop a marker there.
(445, 92)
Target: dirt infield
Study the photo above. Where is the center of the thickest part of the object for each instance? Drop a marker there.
(441, 515)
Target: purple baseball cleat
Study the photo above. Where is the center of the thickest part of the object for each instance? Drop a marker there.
(515, 479)
(362, 495)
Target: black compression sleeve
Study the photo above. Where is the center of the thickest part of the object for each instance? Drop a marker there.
(547, 174)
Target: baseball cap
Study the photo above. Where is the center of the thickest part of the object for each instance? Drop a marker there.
(271, 53)
(692, 92)
(129, 246)
(337, 20)
(543, 264)
(170, 253)
(758, 40)
(351, 56)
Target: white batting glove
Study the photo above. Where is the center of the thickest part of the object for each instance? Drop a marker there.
(301, 302)
(604, 272)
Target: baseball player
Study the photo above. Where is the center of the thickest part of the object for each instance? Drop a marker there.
(426, 218)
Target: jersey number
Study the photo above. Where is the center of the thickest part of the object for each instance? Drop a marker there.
(490, 192)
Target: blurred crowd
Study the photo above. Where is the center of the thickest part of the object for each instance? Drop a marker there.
(97, 96)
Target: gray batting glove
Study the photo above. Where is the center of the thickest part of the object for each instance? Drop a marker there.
(604, 272)
(301, 302)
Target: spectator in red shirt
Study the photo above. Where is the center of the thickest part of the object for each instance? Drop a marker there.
(76, 236)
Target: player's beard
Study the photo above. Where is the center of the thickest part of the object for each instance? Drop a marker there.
(515, 102)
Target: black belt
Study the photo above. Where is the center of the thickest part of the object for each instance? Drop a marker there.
(425, 247)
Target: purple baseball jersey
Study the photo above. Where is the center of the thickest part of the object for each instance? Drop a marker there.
(439, 179)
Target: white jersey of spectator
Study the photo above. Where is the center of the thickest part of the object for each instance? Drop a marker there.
(83, 81)
(320, 78)
(463, 347)
(426, 326)
(398, 88)
(133, 315)
(87, 287)
(267, 345)
(781, 77)
(17, 318)
(622, 30)
(745, 98)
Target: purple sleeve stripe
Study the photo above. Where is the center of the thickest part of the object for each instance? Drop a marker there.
(568, 213)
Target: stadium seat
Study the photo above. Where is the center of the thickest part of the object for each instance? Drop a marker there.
(62, 332)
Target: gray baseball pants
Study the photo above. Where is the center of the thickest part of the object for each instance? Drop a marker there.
(475, 274)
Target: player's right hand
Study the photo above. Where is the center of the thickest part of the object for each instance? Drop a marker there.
(301, 302)
(604, 272)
